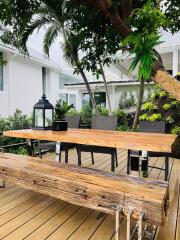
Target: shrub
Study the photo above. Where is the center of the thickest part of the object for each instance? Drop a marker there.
(169, 120)
(17, 121)
(167, 106)
(155, 117)
(103, 111)
(175, 130)
(86, 114)
(149, 106)
(72, 112)
(144, 117)
(122, 120)
(126, 102)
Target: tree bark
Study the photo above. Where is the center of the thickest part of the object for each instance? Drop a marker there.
(139, 104)
(107, 89)
(168, 83)
(89, 91)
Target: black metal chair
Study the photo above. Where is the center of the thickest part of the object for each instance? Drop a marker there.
(73, 122)
(152, 127)
(101, 123)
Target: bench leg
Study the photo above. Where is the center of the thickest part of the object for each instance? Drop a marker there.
(140, 226)
(129, 225)
(2, 183)
(166, 167)
(117, 227)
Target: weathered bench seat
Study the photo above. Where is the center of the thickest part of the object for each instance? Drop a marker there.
(90, 188)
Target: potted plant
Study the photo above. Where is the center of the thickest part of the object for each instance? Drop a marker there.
(60, 110)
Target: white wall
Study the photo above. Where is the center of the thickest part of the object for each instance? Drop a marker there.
(23, 85)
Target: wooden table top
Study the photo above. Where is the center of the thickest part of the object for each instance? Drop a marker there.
(118, 139)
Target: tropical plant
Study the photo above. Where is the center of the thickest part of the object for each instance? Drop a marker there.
(61, 109)
(166, 106)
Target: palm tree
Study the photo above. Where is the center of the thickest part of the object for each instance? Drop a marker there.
(50, 15)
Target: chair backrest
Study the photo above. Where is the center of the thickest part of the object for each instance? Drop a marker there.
(152, 127)
(73, 121)
(104, 123)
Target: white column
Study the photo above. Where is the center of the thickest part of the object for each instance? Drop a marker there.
(113, 98)
(175, 61)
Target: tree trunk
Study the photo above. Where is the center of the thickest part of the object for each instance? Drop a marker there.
(89, 91)
(107, 89)
(168, 83)
(75, 60)
(139, 104)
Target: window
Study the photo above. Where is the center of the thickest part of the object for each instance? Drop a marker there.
(63, 97)
(72, 100)
(44, 79)
(1, 74)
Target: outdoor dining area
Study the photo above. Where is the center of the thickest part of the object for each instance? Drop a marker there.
(95, 183)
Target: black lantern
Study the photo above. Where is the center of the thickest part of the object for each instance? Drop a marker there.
(43, 114)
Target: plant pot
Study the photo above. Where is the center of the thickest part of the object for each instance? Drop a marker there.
(60, 125)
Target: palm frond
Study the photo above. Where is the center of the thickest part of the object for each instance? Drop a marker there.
(49, 38)
(36, 24)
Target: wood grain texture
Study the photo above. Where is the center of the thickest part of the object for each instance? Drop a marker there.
(87, 187)
(125, 140)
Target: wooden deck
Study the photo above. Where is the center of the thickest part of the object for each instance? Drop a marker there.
(31, 216)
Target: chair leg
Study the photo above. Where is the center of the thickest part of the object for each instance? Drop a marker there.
(40, 153)
(166, 167)
(66, 155)
(116, 158)
(60, 155)
(128, 162)
(92, 156)
(112, 162)
(79, 155)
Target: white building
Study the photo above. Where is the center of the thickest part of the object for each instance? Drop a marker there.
(22, 80)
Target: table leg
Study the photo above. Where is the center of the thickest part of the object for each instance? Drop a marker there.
(58, 151)
(30, 147)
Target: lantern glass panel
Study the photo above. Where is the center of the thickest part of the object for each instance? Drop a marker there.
(48, 117)
(39, 117)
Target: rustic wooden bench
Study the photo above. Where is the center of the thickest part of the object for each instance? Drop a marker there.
(139, 198)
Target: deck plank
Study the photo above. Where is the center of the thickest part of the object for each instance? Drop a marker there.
(28, 215)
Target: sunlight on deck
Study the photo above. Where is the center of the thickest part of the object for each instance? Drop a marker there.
(32, 216)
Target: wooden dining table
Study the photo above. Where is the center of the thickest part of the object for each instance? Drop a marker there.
(156, 142)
